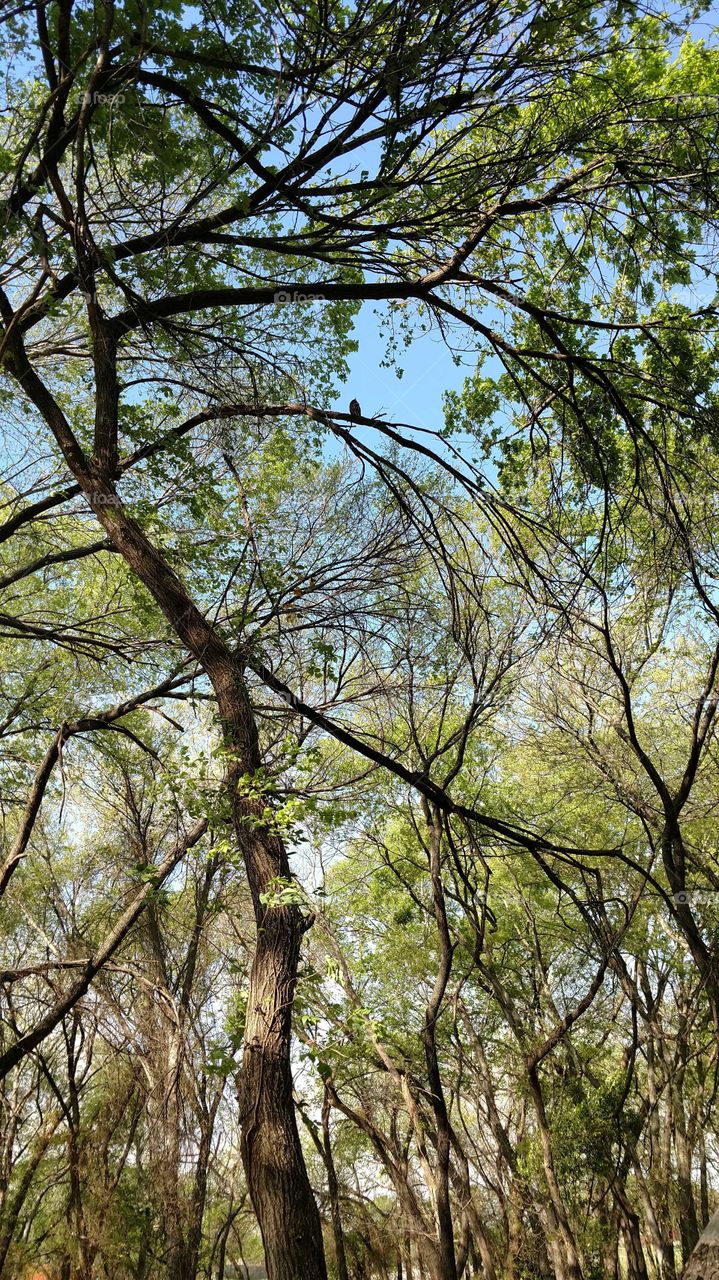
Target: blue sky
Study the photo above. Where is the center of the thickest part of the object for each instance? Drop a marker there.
(416, 397)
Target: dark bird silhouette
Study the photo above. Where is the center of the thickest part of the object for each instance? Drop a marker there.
(355, 409)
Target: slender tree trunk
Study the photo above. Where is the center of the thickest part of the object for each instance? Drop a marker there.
(610, 1248)
(703, 1182)
(515, 1234)
(481, 1242)
(445, 1230)
(199, 1195)
(563, 1246)
(659, 1176)
(333, 1190)
(474, 1232)
(414, 1219)
(687, 1213)
(82, 1263)
(636, 1262)
(662, 1247)
(143, 1254)
(222, 1237)
(164, 1111)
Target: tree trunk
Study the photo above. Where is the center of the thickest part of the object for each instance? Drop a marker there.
(333, 1190)
(636, 1262)
(610, 1248)
(662, 1247)
(687, 1214)
(561, 1242)
(199, 1194)
(703, 1182)
(271, 1152)
(445, 1231)
(704, 1261)
(274, 1164)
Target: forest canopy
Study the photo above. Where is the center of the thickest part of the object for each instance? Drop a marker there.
(359, 785)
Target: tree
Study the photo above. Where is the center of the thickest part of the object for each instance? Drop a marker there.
(169, 187)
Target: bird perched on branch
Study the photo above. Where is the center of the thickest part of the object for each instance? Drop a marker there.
(355, 409)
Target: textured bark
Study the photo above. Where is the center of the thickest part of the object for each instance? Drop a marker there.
(271, 1151)
(704, 1262)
